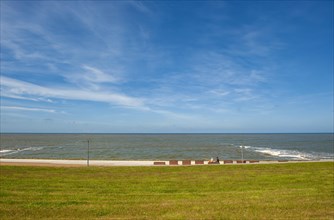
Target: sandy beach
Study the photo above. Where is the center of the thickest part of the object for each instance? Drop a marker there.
(80, 163)
(49, 162)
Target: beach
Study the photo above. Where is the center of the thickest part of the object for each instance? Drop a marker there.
(76, 163)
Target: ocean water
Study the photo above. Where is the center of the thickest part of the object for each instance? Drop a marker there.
(168, 146)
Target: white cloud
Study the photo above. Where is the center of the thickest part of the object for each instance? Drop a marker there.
(12, 87)
(214, 68)
(96, 75)
(19, 108)
(91, 77)
(219, 92)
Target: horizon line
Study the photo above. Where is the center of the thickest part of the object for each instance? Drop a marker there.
(325, 132)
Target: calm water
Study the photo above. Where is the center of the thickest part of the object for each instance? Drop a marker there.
(168, 146)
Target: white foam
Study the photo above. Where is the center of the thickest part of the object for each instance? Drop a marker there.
(245, 147)
(9, 151)
(295, 154)
(5, 151)
(292, 154)
(32, 148)
(269, 151)
(285, 153)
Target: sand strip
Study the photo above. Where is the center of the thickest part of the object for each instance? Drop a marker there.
(48, 162)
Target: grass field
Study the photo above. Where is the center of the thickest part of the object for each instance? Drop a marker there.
(271, 191)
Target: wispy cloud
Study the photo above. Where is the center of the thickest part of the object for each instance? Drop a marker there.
(210, 74)
(223, 69)
(12, 87)
(19, 108)
(91, 77)
(219, 92)
(212, 79)
(96, 75)
(140, 6)
(245, 94)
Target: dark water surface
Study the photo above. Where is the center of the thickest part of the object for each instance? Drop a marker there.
(169, 146)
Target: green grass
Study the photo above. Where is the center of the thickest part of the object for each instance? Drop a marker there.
(271, 191)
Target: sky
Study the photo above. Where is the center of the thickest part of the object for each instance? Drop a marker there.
(166, 66)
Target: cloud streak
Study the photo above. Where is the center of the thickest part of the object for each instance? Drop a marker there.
(19, 108)
(12, 87)
(96, 75)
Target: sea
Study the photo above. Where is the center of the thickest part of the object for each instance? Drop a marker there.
(308, 146)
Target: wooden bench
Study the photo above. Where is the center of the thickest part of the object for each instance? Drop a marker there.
(241, 161)
(173, 162)
(228, 161)
(159, 163)
(254, 161)
(197, 162)
(213, 162)
(186, 162)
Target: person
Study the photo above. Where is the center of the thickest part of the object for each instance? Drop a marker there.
(217, 161)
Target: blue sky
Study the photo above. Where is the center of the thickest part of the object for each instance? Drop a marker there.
(168, 66)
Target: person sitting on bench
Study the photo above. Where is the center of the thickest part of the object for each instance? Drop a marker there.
(211, 161)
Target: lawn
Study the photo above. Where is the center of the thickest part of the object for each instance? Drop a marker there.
(262, 191)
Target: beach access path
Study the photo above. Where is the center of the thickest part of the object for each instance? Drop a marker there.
(79, 163)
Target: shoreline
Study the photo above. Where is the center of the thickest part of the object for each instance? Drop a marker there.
(83, 163)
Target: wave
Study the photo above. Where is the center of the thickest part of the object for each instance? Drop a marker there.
(290, 154)
(18, 150)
